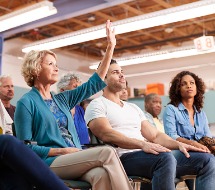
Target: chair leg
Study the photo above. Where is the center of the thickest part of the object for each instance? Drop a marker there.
(137, 186)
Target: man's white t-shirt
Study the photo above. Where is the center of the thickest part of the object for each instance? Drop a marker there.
(126, 120)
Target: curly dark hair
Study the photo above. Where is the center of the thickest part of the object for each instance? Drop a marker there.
(174, 91)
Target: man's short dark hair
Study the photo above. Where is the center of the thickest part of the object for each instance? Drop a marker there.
(113, 61)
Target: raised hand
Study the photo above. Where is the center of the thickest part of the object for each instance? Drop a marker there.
(110, 33)
(105, 63)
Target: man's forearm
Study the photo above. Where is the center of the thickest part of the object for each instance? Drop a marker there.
(122, 141)
(166, 141)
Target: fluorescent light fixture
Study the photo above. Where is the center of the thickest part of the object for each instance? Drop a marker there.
(26, 15)
(166, 16)
(158, 56)
(169, 70)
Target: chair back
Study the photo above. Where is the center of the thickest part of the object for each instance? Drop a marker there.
(93, 139)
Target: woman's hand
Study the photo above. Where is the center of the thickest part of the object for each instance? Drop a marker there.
(198, 145)
(69, 150)
(62, 151)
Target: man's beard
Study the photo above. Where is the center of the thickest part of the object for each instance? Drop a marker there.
(116, 87)
(6, 97)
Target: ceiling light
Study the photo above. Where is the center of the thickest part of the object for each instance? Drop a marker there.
(166, 16)
(169, 70)
(158, 56)
(26, 15)
(168, 30)
(99, 44)
(91, 18)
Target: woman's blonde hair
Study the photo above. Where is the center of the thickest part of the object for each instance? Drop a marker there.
(32, 65)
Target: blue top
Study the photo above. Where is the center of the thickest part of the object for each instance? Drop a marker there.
(177, 123)
(80, 125)
(61, 120)
(34, 120)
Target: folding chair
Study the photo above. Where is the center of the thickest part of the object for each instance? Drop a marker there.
(77, 184)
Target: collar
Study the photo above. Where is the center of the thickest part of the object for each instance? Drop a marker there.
(181, 107)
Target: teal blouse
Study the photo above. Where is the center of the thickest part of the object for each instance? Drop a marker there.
(34, 120)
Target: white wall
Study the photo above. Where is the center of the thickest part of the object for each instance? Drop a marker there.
(11, 62)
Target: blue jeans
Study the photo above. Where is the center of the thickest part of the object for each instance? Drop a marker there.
(200, 164)
(21, 168)
(160, 168)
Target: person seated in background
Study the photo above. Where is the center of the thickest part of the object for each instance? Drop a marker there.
(71, 81)
(184, 119)
(22, 169)
(7, 94)
(153, 105)
(125, 125)
(5, 121)
(45, 117)
(123, 95)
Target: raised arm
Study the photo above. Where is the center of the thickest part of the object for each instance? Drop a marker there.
(111, 40)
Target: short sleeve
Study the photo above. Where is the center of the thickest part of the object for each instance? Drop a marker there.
(94, 110)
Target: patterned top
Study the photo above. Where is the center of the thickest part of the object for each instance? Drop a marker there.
(61, 120)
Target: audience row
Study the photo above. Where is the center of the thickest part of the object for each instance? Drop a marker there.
(56, 123)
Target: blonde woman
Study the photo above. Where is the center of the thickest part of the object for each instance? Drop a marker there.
(44, 117)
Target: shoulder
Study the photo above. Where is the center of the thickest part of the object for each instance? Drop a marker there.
(97, 102)
(131, 105)
(170, 107)
(147, 114)
(170, 110)
(202, 113)
(30, 96)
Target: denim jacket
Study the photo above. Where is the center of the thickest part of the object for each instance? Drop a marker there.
(177, 123)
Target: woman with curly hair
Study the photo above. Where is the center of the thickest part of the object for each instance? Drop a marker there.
(184, 119)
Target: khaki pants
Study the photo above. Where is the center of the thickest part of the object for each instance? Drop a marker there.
(99, 166)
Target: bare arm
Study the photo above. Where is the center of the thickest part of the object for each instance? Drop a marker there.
(105, 63)
(155, 136)
(103, 130)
